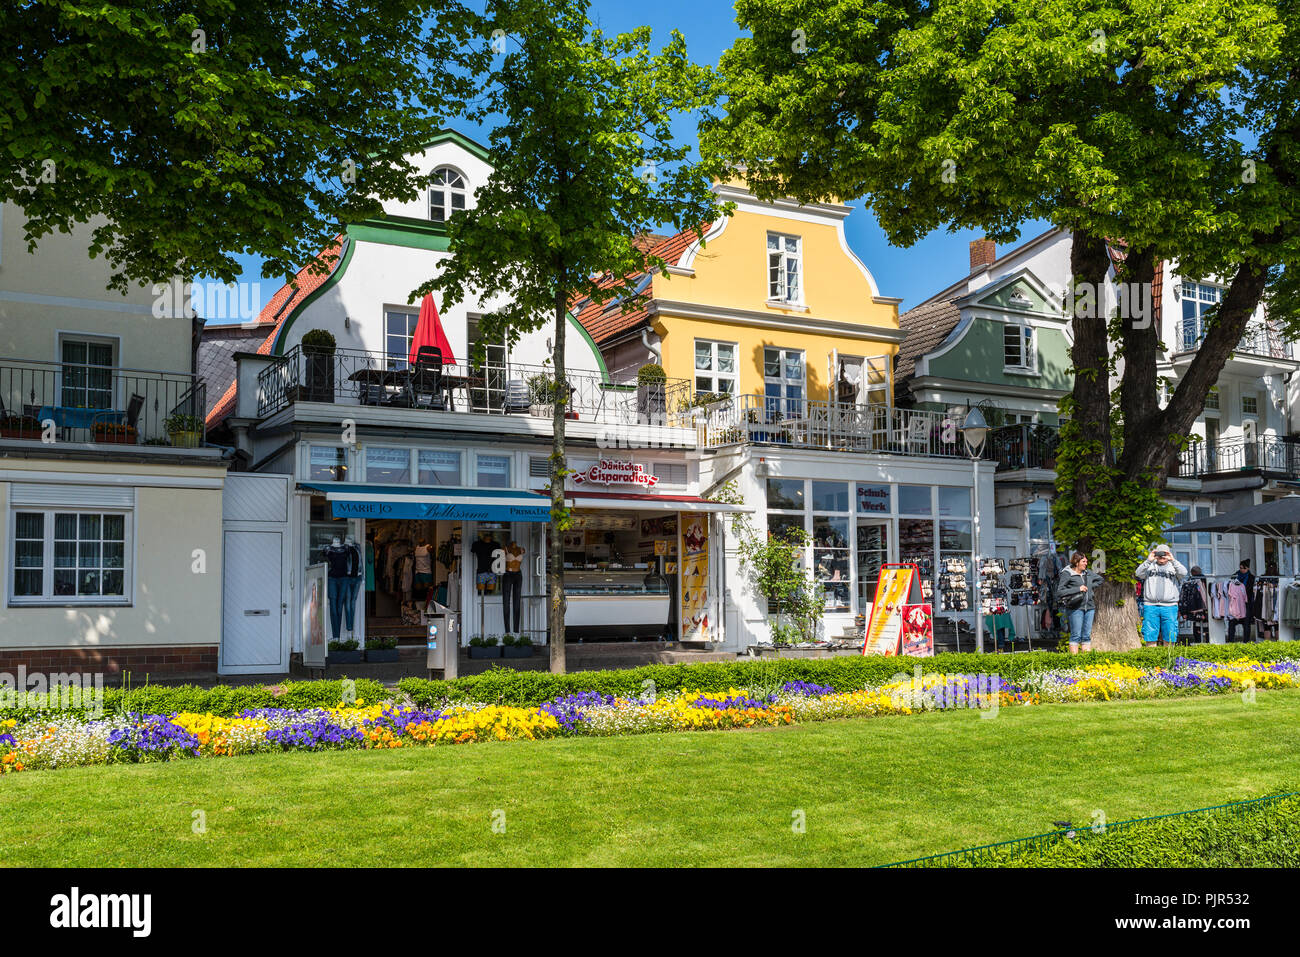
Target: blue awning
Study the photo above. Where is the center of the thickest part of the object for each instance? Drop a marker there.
(350, 500)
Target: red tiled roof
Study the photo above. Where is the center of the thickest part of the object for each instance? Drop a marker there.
(277, 309)
(604, 321)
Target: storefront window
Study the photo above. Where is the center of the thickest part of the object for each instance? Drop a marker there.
(785, 493)
(388, 466)
(830, 497)
(779, 526)
(954, 501)
(326, 463)
(438, 467)
(493, 471)
(831, 560)
(874, 498)
(914, 500)
(873, 552)
(955, 565)
(916, 547)
(1193, 548)
(1040, 525)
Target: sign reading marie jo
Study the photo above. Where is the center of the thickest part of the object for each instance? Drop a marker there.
(616, 472)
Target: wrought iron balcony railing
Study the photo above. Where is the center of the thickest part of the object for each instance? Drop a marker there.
(105, 404)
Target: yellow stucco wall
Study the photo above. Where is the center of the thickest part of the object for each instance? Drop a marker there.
(172, 603)
(731, 274)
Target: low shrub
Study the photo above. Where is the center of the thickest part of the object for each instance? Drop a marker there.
(843, 673)
(224, 700)
(1266, 834)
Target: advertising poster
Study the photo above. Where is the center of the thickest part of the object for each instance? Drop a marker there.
(885, 626)
(315, 614)
(918, 630)
(695, 578)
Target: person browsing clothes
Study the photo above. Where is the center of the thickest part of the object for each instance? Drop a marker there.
(1162, 576)
(1076, 590)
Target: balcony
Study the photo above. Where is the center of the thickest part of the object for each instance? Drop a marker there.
(1018, 448)
(107, 405)
(1263, 349)
(1269, 454)
(814, 424)
(381, 381)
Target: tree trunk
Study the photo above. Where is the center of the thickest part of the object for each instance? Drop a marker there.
(1115, 627)
(555, 571)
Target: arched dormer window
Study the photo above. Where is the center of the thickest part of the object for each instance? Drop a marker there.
(446, 195)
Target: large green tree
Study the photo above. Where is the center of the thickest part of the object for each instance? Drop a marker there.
(583, 164)
(1170, 128)
(192, 132)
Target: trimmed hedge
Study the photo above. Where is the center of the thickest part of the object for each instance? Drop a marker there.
(844, 673)
(223, 700)
(1261, 835)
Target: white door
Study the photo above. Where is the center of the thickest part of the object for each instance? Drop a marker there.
(254, 637)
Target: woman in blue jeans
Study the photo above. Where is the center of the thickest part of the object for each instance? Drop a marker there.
(1074, 591)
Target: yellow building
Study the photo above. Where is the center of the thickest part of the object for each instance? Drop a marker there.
(772, 303)
(778, 343)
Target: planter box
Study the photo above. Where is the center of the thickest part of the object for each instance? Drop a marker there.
(476, 652)
(383, 654)
(32, 434)
(525, 651)
(651, 401)
(343, 658)
(117, 438)
(185, 440)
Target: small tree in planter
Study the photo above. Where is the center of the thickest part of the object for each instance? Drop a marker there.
(318, 366)
(651, 386)
(184, 431)
(774, 565)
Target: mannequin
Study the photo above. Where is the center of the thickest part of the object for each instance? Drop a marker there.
(512, 587)
(484, 578)
(357, 575)
(339, 559)
(423, 575)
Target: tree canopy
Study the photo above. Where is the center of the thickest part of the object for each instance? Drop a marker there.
(191, 133)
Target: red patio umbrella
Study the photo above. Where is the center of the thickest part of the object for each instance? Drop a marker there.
(429, 332)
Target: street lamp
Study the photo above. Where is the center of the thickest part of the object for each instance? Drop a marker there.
(974, 430)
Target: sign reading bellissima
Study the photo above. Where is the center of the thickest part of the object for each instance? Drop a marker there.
(616, 472)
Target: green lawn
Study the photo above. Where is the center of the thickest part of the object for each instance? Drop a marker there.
(872, 791)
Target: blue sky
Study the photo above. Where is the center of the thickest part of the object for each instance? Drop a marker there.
(914, 274)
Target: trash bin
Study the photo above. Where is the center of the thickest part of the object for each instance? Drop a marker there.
(442, 631)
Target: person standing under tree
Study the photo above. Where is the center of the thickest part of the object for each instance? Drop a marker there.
(1075, 590)
(1161, 576)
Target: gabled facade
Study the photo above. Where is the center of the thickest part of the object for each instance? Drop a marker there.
(110, 502)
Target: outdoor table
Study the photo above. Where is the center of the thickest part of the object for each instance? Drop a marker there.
(382, 378)
(66, 417)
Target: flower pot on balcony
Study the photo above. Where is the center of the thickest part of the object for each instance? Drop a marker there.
(185, 440)
(115, 435)
(318, 376)
(651, 401)
(20, 427)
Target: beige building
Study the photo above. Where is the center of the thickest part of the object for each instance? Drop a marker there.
(111, 541)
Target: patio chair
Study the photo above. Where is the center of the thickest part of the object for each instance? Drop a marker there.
(517, 397)
(130, 417)
(426, 379)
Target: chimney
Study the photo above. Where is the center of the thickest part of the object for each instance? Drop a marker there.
(982, 254)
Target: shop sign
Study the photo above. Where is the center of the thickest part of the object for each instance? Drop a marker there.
(873, 498)
(885, 626)
(616, 472)
(315, 612)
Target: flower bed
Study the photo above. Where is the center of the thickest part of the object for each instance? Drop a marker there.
(72, 739)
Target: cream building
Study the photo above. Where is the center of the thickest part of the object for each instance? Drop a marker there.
(110, 501)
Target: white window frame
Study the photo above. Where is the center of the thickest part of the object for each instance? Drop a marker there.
(1218, 401)
(450, 183)
(782, 403)
(114, 343)
(1205, 295)
(714, 373)
(399, 360)
(510, 469)
(47, 598)
(784, 285)
(363, 453)
(1027, 340)
(1252, 398)
(460, 467)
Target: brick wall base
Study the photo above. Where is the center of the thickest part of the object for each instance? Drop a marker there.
(159, 660)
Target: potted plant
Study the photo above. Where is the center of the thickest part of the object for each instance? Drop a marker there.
(480, 647)
(651, 392)
(184, 431)
(517, 646)
(343, 653)
(318, 366)
(15, 426)
(114, 433)
(382, 649)
(541, 395)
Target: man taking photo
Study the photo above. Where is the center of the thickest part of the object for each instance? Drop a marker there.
(1162, 577)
